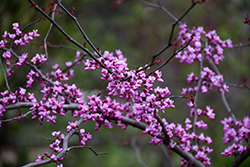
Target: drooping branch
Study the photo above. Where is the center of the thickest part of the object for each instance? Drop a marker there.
(140, 125)
(62, 153)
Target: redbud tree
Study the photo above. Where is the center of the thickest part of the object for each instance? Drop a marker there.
(133, 96)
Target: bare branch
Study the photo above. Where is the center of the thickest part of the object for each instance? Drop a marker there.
(223, 94)
(80, 28)
(69, 37)
(89, 147)
(137, 151)
(5, 76)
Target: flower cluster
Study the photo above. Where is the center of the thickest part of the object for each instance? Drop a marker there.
(38, 58)
(195, 50)
(23, 37)
(55, 146)
(236, 133)
(183, 138)
(19, 38)
(134, 86)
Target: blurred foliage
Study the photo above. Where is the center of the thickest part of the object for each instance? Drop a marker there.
(139, 31)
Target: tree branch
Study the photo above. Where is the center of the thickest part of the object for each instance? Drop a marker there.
(141, 125)
(62, 153)
(242, 157)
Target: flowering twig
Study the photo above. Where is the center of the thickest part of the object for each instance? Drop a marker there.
(73, 64)
(32, 66)
(62, 153)
(242, 157)
(17, 118)
(240, 86)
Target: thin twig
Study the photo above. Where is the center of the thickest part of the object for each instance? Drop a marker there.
(167, 139)
(177, 21)
(159, 7)
(165, 152)
(137, 151)
(223, 93)
(5, 76)
(168, 60)
(69, 37)
(57, 46)
(73, 64)
(89, 147)
(15, 118)
(30, 24)
(196, 96)
(241, 86)
(46, 36)
(80, 28)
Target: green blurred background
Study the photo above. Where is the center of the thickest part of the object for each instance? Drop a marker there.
(139, 31)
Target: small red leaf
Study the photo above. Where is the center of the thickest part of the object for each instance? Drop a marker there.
(42, 18)
(33, 6)
(158, 3)
(113, 5)
(73, 11)
(247, 21)
(51, 6)
(44, 10)
(174, 50)
(190, 98)
(158, 61)
(84, 44)
(98, 49)
(67, 38)
(118, 2)
(244, 80)
(58, 10)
